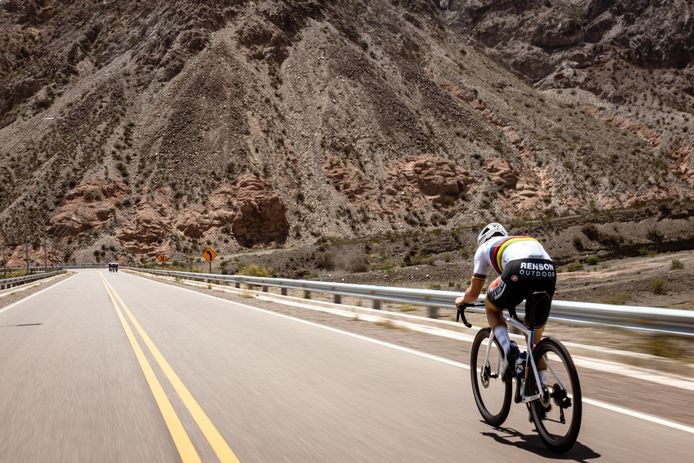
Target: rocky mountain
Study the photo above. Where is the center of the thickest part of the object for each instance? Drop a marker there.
(149, 128)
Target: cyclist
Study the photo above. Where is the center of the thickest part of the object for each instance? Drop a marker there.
(523, 266)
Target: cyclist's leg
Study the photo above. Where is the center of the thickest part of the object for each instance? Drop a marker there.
(537, 335)
(495, 315)
(548, 285)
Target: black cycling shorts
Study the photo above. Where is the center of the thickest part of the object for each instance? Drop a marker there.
(519, 280)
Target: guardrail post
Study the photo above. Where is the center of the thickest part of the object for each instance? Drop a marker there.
(307, 294)
(337, 298)
(283, 291)
(265, 288)
(377, 304)
(433, 312)
(237, 284)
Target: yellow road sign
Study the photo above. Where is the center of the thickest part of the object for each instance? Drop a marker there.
(162, 258)
(209, 254)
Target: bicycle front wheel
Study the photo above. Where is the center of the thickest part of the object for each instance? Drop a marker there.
(557, 416)
(492, 393)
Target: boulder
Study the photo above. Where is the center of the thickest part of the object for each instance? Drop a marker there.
(89, 205)
(501, 172)
(144, 233)
(439, 179)
(261, 215)
(558, 32)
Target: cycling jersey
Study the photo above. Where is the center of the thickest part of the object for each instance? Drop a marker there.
(524, 268)
(498, 251)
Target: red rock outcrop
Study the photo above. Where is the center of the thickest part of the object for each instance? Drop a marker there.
(684, 156)
(254, 213)
(346, 178)
(193, 222)
(145, 233)
(262, 216)
(88, 206)
(440, 180)
(501, 172)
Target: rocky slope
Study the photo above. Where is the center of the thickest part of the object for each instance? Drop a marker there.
(162, 127)
(627, 62)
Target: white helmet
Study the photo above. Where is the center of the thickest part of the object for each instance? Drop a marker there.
(490, 230)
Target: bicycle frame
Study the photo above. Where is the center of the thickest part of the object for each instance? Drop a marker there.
(529, 335)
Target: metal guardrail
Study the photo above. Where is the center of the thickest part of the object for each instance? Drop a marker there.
(670, 321)
(32, 270)
(55, 267)
(12, 282)
(78, 266)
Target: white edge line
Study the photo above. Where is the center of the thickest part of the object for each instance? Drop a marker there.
(18, 289)
(35, 294)
(415, 318)
(617, 368)
(596, 403)
(640, 415)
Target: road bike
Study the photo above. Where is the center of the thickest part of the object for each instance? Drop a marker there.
(548, 405)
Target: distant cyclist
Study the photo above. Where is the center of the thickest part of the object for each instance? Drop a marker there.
(524, 267)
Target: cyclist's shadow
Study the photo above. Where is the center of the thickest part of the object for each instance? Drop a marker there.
(533, 443)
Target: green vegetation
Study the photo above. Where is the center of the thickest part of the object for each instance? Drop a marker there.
(592, 233)
(655, 236)
(254, 270)
(620, 298)
(676, 264)
(658, 286)
(668, 346)
(592, 260)
(578, 244)
(387, 267)
(574, 267)
(646, 251)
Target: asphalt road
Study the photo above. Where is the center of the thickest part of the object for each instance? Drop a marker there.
(113, 367)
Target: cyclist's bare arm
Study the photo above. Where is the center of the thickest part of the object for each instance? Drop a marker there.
(471, 293)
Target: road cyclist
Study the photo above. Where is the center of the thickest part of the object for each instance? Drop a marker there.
(526, 273)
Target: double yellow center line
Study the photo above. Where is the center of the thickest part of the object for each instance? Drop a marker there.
(181, 439)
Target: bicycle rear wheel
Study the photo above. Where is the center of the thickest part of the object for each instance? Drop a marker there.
(492, 394)
(557, 416)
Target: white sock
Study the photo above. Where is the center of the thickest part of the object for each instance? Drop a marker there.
(501, 335)
(543, 376)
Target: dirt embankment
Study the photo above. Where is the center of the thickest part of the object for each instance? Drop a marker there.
(596, 254)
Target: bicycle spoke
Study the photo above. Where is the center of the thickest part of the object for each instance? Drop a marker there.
(558, 418)
(554, 373)
(492, 394)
